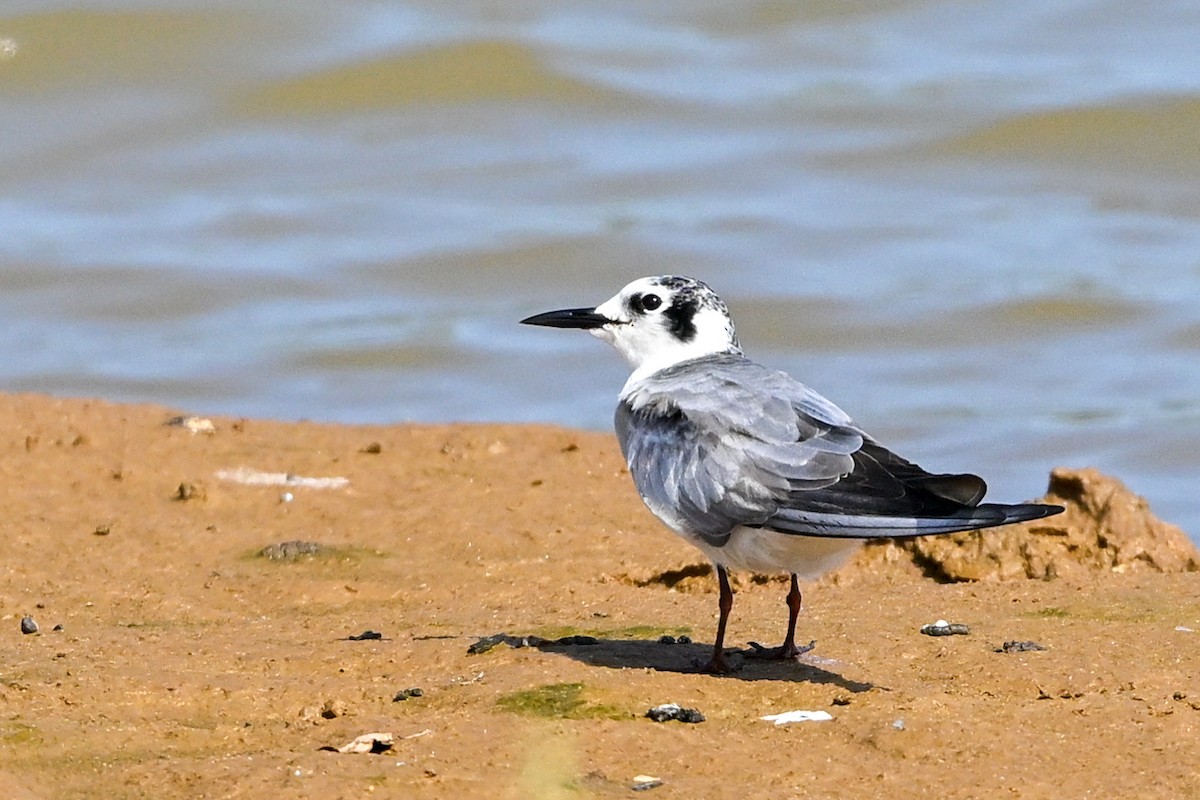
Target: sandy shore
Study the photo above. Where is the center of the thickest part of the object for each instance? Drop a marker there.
(188, 665)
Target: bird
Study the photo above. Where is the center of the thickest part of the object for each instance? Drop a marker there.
(749, 465)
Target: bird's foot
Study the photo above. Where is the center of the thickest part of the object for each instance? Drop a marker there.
(784, 652)
(717, 665)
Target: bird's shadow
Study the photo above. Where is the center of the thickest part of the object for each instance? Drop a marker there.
(682, 658)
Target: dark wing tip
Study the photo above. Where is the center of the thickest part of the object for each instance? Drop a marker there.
(1024, 512)
(966, 489)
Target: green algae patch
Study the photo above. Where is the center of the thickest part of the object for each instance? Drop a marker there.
(558, 701)
(15, 732)
(300, 551)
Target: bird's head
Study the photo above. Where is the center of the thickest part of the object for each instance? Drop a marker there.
(655, 322)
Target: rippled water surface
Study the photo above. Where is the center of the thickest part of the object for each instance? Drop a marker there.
(974, 226)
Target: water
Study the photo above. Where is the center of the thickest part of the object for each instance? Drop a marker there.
(974, 226)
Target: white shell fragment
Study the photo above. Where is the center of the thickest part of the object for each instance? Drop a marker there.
(193, 425)
(788, 717)
(255, 477)
(369, 743)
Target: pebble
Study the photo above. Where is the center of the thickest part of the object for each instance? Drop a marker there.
(674, 712)
(28, 625)
(642, 783)
(334, 709)
(943, 628)
(668, 639)
(1019, 647)
(189, 491)
(366, 636)
(404, 694)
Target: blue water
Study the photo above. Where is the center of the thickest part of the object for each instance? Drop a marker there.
(974, 226)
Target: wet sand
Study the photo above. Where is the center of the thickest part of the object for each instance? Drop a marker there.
(188, 665)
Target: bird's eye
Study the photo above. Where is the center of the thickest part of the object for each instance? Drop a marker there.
(651, 301)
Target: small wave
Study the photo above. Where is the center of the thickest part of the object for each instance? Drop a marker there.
(465, 72)
(832, 326)
(1158, 136)
(58, 49)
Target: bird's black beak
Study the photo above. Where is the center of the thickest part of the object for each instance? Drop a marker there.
(585, 318)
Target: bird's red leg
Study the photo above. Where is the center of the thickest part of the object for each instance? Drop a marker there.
(788, 649)
(718, 664)
(793, 603)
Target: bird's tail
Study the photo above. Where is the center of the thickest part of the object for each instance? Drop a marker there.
(862, 526)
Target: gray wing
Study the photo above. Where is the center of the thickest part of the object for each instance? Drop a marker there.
(721, 442)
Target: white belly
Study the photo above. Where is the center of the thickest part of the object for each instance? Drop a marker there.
(760, 550)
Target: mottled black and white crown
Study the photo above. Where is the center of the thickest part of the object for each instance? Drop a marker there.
(661, 321)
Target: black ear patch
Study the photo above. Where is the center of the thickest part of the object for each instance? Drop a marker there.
(681, 315)
(684, 299)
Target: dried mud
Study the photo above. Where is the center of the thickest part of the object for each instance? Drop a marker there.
(186, 664)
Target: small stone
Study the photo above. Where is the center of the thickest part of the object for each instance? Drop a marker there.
(1019, 647)
(684, 640)
(57, 627)
(643, 783)
(334, 709)
(898, 725)
(28, 625)
(102, 530)
(405, 694)
(943, 628)
(374, 449)
(366, 636)
(840, 700)
(666, 639)
(674, 712)
(189, 491)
